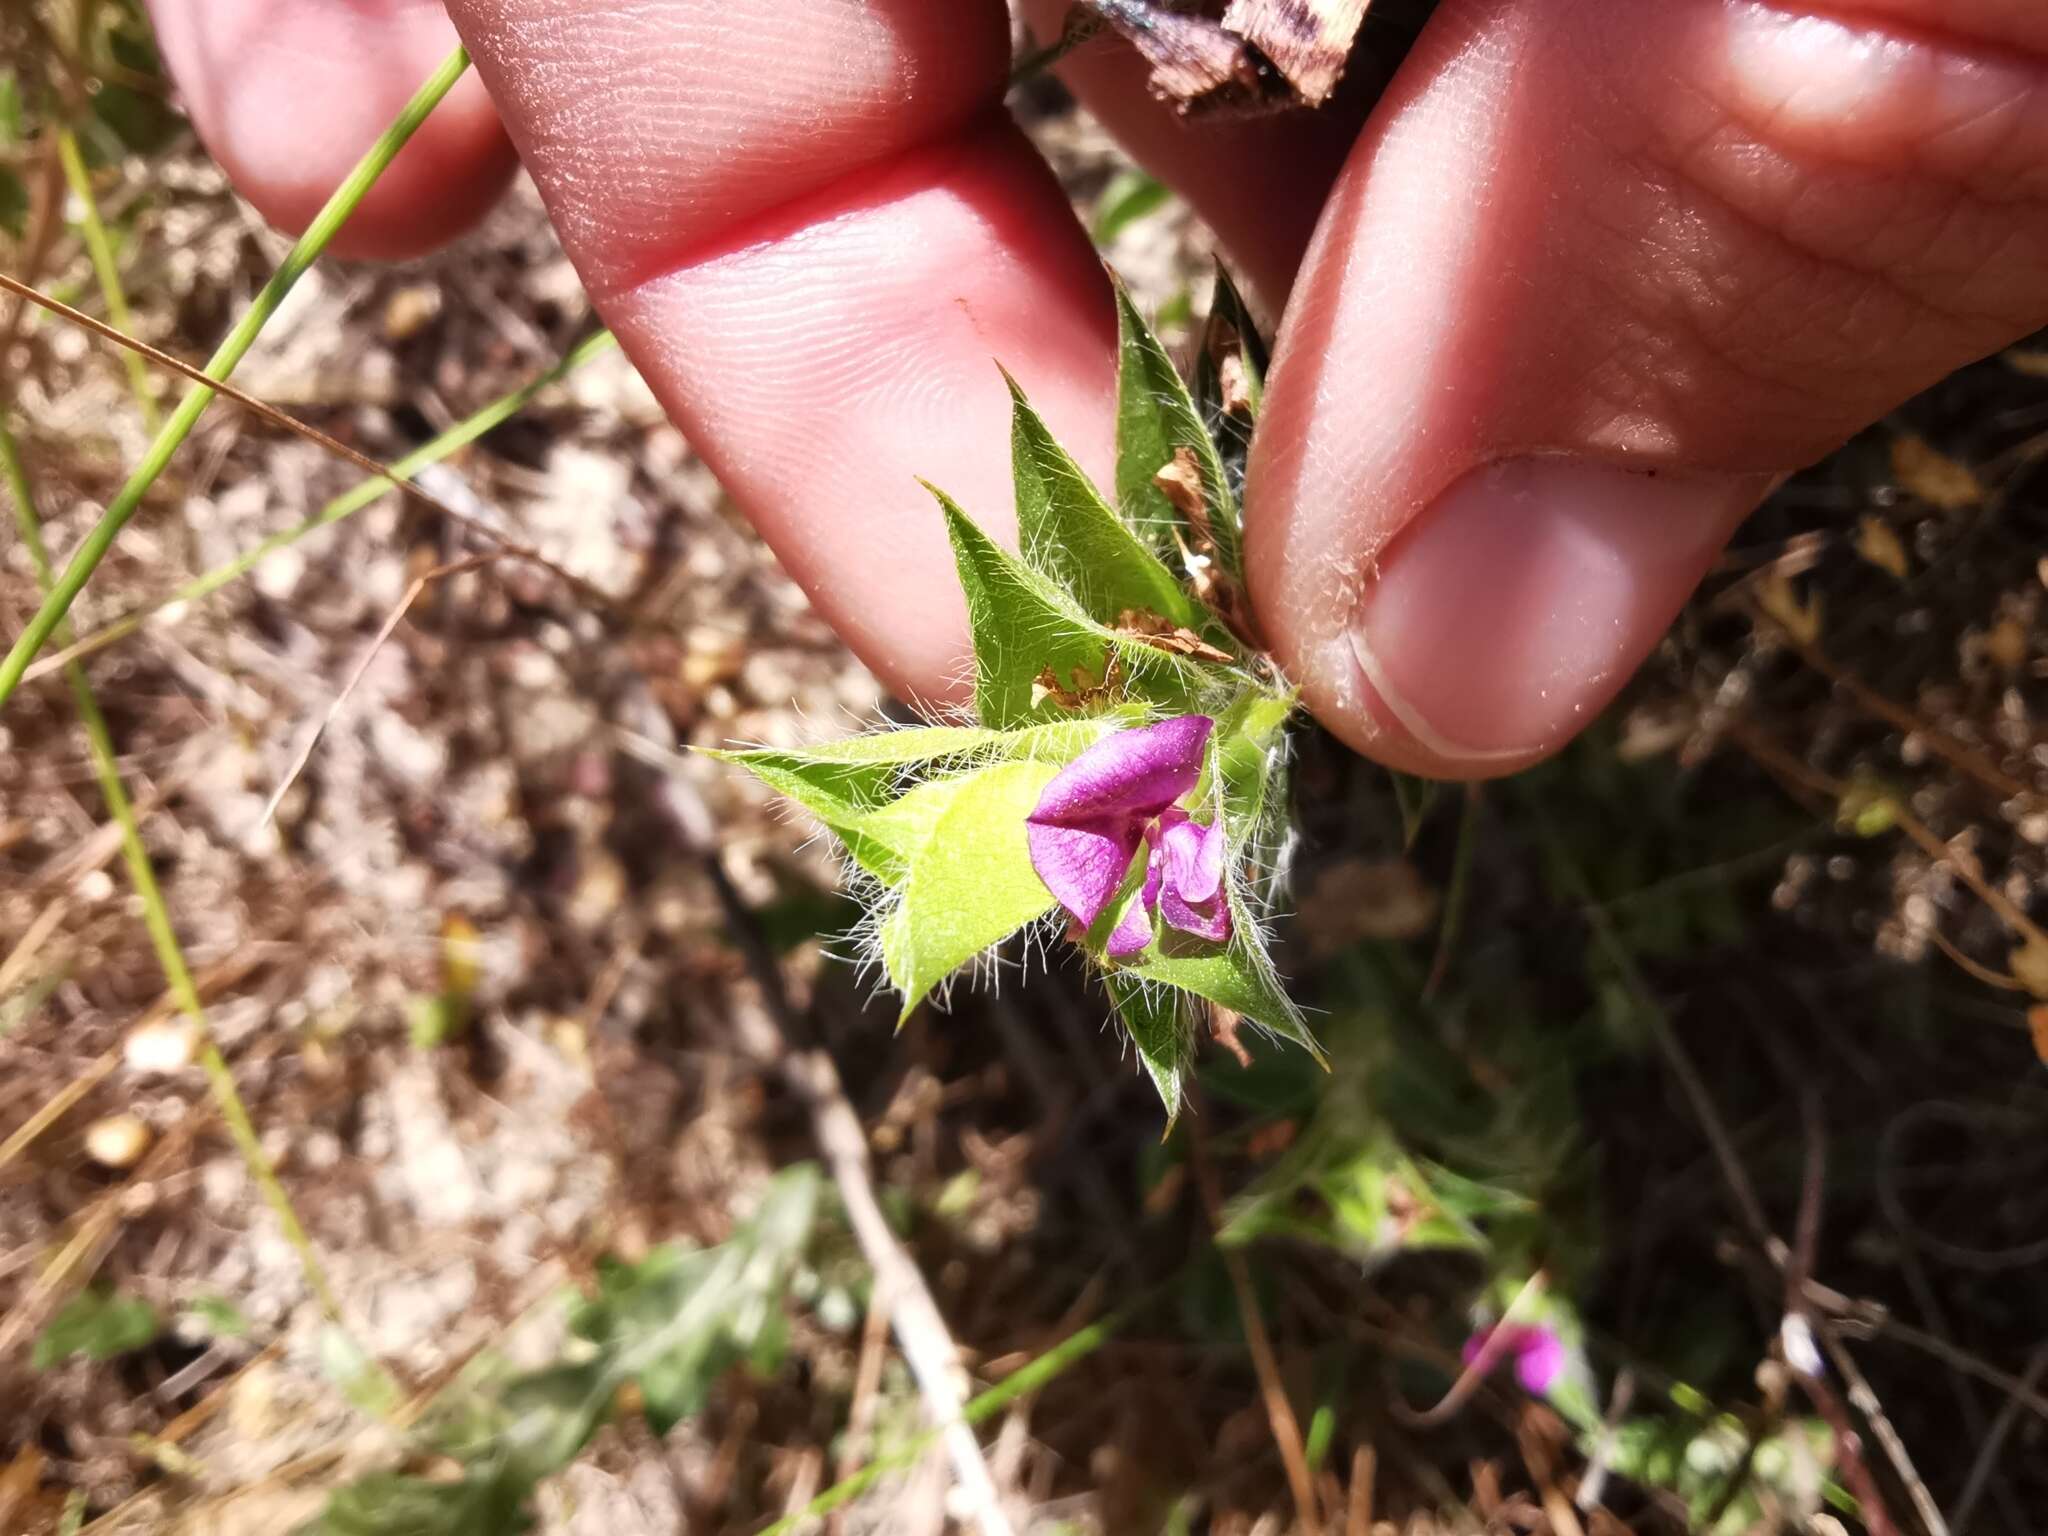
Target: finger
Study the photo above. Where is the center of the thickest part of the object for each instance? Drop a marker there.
(288, 94)
(1599, 271)
(816, 232)
(1258, 181)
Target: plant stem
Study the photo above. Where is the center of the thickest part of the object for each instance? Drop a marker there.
(346, 505)
(156, 915)
(104, 268)
(65, 589)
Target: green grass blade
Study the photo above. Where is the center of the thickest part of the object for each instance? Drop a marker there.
(351, 501)
(65, 589)
(107, 271)
(155, 911)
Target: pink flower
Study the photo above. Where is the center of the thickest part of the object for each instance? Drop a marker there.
(1538, 1353)
(1115, 798)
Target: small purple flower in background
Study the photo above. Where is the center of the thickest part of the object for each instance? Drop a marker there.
(1115, 798)
(1538, 1353)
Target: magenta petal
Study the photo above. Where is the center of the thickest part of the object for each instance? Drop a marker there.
(1132, 934)
(1539, 1360)
(1210, 920)
(1538, 1353)
(1136, 773)
(1083, 866)
(1194, 857)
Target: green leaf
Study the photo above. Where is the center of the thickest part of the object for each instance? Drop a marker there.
(387, 1504)
(1158, 1028)
(1230, 332)
(13, 203)
(366, 1384)
(971, 883)
(1074, 538)
(678, 1319)
(852, 785)
(1250, 758)
(1154, 416)
(1130, 196)
(98, 1324)
(221, 1318)
(142, 123)
(1024, 626)
(1231, 341)
(10, 111)
(1237, 976)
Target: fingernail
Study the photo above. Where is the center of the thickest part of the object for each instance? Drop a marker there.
(1504, 617)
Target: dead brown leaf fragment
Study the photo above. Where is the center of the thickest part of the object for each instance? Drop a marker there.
(1257, 55)
(1308, 41)
(1078, 689)
(1947, 484)
(1148, 628)
(1180, 482)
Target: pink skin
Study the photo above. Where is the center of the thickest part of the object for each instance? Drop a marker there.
(1578, 241)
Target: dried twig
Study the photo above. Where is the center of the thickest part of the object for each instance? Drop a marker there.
(399, 610)
(1987, 1454)
(594, 595)
(771, 1034)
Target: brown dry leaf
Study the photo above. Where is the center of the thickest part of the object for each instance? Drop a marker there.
(19, 1480)
(2037, 1025)
(1879, 543)
(1195, 63)
(1223, 1024)
(1149, 628)
(1782, 605)
(1180, 482)
(1262, 55)
(2005, 645)
(1942, 482)
(1084, 689)
(1308, 41)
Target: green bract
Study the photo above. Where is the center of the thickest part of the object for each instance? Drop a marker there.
(1113, 615)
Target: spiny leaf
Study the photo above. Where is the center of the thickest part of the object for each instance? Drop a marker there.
(1155, 415)
(1238, 977)
(1158, 1028)
(1025, 627)
(1249, 759)
(1075, 539)
(972, 884)
(98, 1324)
(852, 785)
(1230, 373)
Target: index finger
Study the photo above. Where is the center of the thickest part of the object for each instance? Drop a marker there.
(816, 232)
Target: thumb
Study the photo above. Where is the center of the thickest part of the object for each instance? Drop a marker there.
(1597, 274)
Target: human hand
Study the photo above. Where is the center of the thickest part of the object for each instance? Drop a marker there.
(1592, 275)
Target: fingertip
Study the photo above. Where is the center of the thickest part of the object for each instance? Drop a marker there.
(288, 97)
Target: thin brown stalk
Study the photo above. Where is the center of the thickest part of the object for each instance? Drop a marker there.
(391, 622)
(1945, 743)
(594, 595)
(1475, 1371)
(1280, 1417)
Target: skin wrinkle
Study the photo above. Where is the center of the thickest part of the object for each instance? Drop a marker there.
(1903, 108)
(667, 125)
